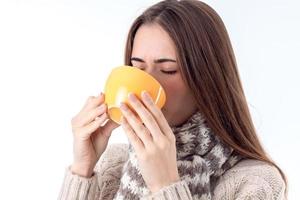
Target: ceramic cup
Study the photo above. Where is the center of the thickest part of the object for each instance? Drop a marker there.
(125, 79)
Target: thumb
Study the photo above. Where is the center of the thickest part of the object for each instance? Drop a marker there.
(109, 126)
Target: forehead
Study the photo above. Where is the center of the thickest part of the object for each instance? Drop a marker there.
(153, 40)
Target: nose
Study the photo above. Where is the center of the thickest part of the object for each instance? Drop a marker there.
(155, 74)
(149, 68)
(151, 71)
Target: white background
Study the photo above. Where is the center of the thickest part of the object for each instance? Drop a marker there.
(54, 54)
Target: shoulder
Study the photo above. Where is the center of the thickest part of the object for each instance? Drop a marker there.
(251, 179)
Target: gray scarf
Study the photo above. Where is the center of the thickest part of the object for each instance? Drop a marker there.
(201, 159)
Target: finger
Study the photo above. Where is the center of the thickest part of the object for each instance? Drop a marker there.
(87, 130)
(93, 102)
(146, 116)
(110, 126)
(158, 115)
(133, 138)
(87, 117)
(137, 126)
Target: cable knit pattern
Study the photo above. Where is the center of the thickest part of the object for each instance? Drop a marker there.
(249, 179)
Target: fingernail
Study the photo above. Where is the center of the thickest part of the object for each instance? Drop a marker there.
(146, 95)
(131, 96)
(100, 94)
(123, 106)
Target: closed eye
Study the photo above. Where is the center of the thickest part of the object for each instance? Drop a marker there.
(163, 71)
(168, 72)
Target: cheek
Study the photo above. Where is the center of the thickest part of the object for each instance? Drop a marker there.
(175, 91)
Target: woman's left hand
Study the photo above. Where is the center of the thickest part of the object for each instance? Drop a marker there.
(153, 141)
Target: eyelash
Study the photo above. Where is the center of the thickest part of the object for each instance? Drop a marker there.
(169, 72)
(165, 72)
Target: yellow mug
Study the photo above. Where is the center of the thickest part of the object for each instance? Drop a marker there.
(125, 79)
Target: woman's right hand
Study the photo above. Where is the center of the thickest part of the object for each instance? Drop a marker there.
(90, 136)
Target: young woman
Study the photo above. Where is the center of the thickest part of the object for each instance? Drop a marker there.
(201, 145)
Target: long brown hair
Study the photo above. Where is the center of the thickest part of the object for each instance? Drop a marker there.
(209, 69)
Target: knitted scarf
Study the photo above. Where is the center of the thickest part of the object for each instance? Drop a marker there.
(201, 159)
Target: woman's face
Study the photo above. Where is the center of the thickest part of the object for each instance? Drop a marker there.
(154, 52)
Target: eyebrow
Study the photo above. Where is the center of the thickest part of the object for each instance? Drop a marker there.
(160, 60)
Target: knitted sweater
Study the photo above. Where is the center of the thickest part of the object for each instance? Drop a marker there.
(248, 179)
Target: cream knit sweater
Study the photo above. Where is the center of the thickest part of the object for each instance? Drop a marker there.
(249, 179)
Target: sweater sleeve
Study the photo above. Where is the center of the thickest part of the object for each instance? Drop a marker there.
(104, 182)
(175, 191)
(77, 187)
